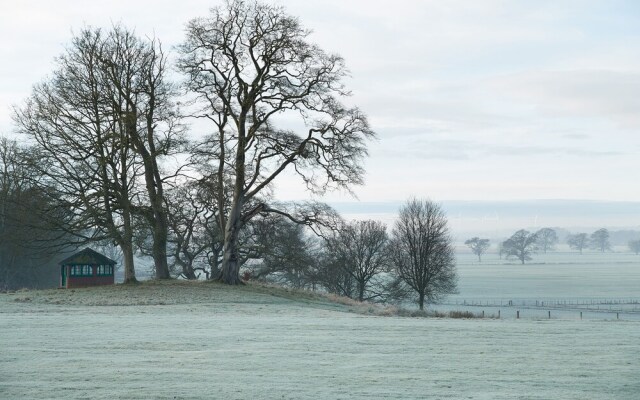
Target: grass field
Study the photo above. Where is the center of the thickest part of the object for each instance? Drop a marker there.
(203, 341)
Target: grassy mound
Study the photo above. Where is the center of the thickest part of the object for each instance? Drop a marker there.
(174, 292)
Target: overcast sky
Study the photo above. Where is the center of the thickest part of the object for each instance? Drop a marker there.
(471, 100)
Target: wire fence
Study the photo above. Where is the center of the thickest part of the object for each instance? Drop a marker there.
(600, 308)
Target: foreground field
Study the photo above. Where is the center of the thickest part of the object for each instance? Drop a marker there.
(209, 341)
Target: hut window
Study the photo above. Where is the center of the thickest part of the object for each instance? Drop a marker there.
(81, 270)
(105, 270)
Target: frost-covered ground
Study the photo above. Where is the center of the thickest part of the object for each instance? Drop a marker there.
(209, 341)
(601, 285)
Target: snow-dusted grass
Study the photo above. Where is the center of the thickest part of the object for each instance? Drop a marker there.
(204, 341)
(555, 275)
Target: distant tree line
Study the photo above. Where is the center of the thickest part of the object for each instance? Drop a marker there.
(522, 245)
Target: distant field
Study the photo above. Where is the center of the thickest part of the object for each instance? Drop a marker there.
(199, 341)
(594, 282)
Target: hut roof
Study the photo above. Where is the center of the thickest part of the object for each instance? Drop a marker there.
(87, 256)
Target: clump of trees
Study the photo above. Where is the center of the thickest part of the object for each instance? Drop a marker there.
(521, 245)
(478, 246)
(106, 129)
(599, 240)
(578, 241)
(361, 251)
(362, 261)
(100, 126)
(546, 239)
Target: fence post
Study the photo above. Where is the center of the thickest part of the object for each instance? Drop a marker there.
(482, 313)
(580, 314)
(498, 314)
(549, 314)
(518, 314)
(617, 315)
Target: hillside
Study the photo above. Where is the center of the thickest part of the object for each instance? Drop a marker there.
(180, 292)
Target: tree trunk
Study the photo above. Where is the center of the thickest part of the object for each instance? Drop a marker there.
(155, 192)
(421, 301)
(231, 259)
(215, 265)
(188, 272)
(129, 269)
(160, 233)
(361, 291)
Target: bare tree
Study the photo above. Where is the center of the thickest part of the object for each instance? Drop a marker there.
(478, 246)
(136, 72)
(332, 277)
(547, 239)
(246, 64)
(83, 146)
(521, 245)
(634, 246)
(286, 254)
(101, 125)
(361, 248)
(578, 241)
(422, 251)
(599, 240)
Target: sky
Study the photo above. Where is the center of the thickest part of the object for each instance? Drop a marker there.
(472, 101)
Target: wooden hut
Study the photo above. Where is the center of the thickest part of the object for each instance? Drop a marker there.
(86, 268)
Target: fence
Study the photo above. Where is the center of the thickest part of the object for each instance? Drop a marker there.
(628, 309)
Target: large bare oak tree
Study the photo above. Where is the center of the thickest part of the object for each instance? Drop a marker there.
(248, 64)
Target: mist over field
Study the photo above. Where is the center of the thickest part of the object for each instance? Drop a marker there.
(499, 219)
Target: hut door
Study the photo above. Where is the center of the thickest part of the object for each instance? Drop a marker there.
(63, 274)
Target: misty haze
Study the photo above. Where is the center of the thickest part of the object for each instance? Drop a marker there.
(277, 199)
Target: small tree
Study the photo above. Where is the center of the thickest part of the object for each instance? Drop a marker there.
(422, 251)
(521, 245)
(361, 247)
(634, 246)
(478, 246)
(600, 240)
(547, 239)
(287, 254)
(579, 241)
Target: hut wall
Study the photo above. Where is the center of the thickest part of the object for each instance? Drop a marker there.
(82, 281)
